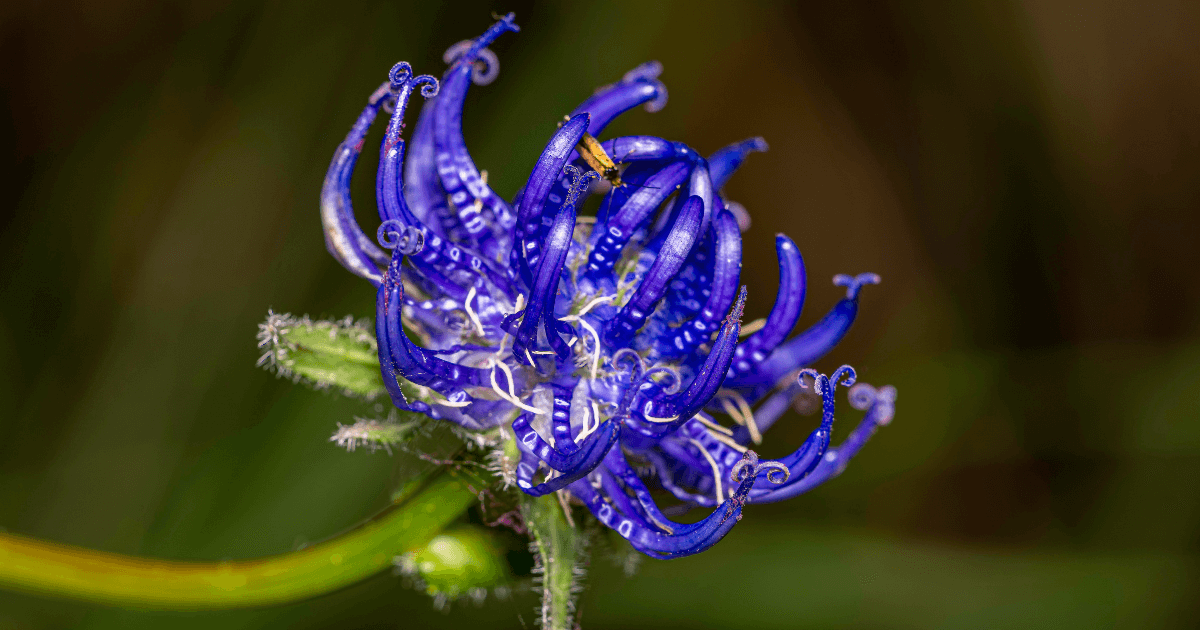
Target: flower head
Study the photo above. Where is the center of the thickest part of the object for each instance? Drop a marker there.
(607, 344)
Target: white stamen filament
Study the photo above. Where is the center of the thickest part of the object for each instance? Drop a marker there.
(587, 307)
(716, 471)
(588, 426)
(595, 335)
(727, 441)
(713, 425)
(511, 396)
(746, 413)
(752, 327)
(732, 410)
(651, 418)
(471, 312)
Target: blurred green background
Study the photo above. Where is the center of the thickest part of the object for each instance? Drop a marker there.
(1024, 175)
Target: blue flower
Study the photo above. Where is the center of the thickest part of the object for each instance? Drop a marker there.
(604, 343)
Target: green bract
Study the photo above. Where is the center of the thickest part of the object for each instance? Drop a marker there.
(335, 354)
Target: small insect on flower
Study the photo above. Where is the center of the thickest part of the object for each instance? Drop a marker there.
(604, 349)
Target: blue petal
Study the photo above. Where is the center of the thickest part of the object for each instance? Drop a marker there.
(723, 163)
(344, 239)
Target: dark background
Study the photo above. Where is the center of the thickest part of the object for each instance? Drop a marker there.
(1023, 174)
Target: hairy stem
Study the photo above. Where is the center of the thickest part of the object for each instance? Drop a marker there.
(50, 568)
(559, 549)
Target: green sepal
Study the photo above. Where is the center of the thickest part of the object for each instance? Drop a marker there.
(336, 354)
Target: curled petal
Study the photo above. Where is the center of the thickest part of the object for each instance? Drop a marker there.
(670, 258)
(592, 453)
(556, 457)
(389, 196)
(727, 267)
(632, 215)
(808, 346)
(422, 187)
(344, 239)
(476, 203)
(835, 460)
(658, 544)
(640, 85)
(542, 293)
(400, 357)
(784, 314)
(435, 253)
(485, 69)
(531, 206)
(618, 470)
(723, 163)
(658, 415)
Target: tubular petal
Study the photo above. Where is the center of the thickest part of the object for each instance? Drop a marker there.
(545, 288)
(658, 415)
(723, 163)
(836, 459)
(531, 206)
(633, 213)
(436, 252)
(476, 203)
(704, 535)
(610, 102)
(788, 302)
(808, 346)
(727, 269)
(344, 239)
(593, 453)
(422, 187)
(670, 258)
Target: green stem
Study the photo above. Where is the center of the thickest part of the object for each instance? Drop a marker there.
(62, 570)
(559, 548)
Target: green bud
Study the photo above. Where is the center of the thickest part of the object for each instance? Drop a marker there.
(463, 561)
(324, 354)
